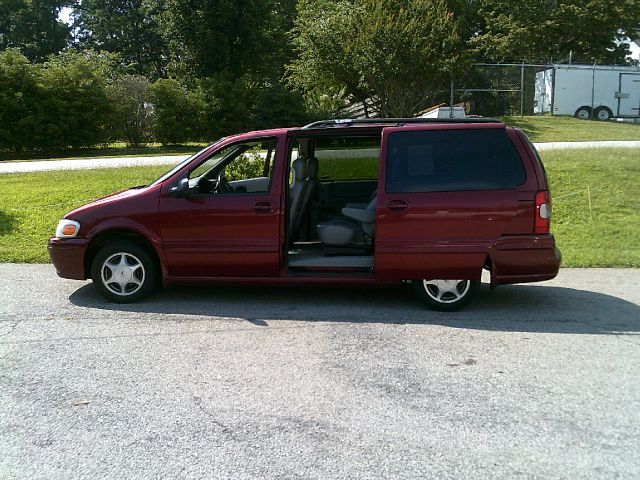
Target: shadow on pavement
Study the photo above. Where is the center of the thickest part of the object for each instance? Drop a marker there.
(519, 308)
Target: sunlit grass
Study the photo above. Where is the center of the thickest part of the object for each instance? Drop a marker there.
(607, 234)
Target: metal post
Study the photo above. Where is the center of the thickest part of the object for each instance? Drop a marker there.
(451, 100)
(593, 89)
(522, 90)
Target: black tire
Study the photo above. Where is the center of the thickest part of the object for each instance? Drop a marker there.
(603, 114)
(449, 302)
(583, 113)
(137, 273)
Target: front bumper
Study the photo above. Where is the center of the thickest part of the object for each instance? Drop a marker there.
(67, 255)
(524, 259)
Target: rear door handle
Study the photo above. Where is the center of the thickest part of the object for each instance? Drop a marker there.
(397, 205)
(263, 207)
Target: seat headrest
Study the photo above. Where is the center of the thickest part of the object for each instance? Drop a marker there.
(299, 168)
(312, 168)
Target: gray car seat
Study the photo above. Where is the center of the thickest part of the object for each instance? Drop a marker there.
(301, 191)
(358, 228)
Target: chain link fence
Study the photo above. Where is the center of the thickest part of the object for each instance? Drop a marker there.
(598, 92)
(502, 89)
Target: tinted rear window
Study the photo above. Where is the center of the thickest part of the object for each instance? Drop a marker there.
(452, 160)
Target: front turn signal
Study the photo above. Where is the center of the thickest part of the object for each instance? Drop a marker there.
(67, 229)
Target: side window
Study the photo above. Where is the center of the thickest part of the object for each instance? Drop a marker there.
(452, 160)
(347, 158)
(239, 168)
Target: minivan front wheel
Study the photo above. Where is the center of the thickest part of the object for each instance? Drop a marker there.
(446, 295)
(124, 272)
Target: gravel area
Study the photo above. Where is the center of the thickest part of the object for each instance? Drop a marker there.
(530, 381)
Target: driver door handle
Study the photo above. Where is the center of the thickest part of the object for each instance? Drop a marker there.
(397, 205)
(263, 207)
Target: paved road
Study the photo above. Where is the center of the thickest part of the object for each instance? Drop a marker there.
(116, 162)
(533, 381)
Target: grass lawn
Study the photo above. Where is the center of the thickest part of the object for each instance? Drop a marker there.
(111, 150)
(569, 129)
(539, 129)
(607, 235)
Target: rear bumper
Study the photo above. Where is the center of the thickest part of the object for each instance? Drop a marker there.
(524, 259)
(68, 257)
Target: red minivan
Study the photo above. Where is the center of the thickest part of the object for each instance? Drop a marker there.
(429, 202)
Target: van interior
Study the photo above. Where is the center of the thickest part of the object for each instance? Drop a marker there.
(331, 200)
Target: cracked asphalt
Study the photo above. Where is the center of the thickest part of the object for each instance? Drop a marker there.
(531, 381)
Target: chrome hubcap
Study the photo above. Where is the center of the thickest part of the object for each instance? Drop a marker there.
(446, 291)
(584, 114)
(122, 274)
(603, 115)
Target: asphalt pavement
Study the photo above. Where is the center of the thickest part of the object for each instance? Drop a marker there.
(530, 381)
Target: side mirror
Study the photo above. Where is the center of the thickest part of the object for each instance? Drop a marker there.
(181, 188)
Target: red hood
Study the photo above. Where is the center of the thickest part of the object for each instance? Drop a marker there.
(109, 199)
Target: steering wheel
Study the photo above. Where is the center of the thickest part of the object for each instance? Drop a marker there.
(223, 185)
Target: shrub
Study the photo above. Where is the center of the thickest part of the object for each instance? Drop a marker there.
(130, 98)
(19, 97)
(177, 112)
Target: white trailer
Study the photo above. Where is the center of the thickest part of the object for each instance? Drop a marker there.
(588, 91)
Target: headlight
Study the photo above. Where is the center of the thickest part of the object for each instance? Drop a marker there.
(67, 228)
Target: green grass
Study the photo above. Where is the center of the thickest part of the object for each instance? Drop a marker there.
(110, 150)
(608, 234)
(568, 129)
(539, 129)
(32, 203)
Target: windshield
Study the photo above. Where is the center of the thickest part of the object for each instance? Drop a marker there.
(182, 164)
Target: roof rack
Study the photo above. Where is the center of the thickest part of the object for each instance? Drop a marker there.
(395, 121)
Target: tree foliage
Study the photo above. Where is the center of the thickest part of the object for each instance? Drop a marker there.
(177, 112)
(402, 52)
(591, 31)
(130, 98)
(127, 27)
(59, 104)
(207, 37)
(33, 27)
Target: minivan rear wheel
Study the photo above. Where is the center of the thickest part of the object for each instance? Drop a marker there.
(446, 295)
(124, 272)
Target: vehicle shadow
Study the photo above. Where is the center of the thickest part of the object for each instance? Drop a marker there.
(517, 308)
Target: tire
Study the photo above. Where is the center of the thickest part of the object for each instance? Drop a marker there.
(446, 295)
(124, 272)
(603, 114)
(583, 113)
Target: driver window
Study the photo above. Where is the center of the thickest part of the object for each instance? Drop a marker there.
(236, 169)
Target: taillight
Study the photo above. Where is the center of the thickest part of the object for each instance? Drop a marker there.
(543, 212)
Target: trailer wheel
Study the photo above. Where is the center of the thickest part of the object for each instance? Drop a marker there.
(603, 114)
(583, 112)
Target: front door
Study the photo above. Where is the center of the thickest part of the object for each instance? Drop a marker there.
(629, 95)
(444, 197)
(228, 224)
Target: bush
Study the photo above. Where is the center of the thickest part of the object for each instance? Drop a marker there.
(74, 108)
(177, 112)
(132, 113)
(19, 96)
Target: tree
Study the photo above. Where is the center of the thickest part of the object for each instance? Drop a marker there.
(402, 52)
(33, 27)
(130, 97)
(242, 37)
(553, 30)
(127, 27)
